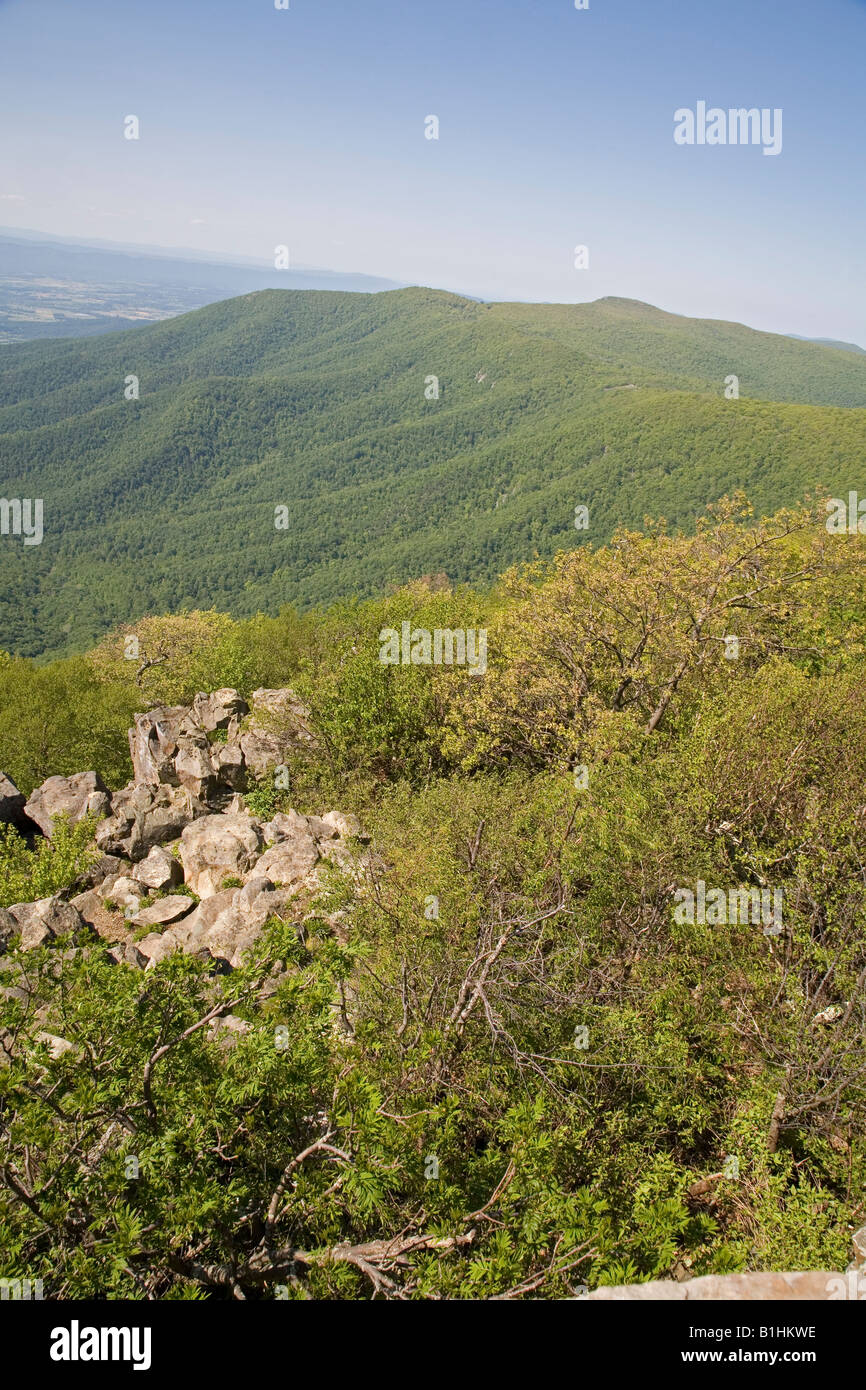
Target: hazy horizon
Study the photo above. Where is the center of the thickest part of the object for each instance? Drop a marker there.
(181, 253)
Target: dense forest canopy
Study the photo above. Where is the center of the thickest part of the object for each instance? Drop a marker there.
(294, 447)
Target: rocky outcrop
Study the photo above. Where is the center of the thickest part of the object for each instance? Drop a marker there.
(188, 761)
(175, 745)
(40, 922)
(162, 912)
(219, 847)
(144, 816)
(12, 808)
(158, 872)
(182, 823)
(75, 797)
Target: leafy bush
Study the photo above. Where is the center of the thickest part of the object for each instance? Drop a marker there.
(51, 865)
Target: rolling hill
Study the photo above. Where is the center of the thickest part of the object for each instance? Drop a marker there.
(321, 403)
(56, 287)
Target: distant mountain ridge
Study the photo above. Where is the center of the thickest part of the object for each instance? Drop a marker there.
(61, 287)
(830, 342)
(402, 433)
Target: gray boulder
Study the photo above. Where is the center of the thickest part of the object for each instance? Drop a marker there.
(101, 869)
(42, 921)
(153, 744)
(195, 768)
(216, 847)
(218, 710)
(342, 824)
(162, 912)
(121, 889)
(228, 923)
(12, 808)
(158, 870)
(230, 766)
(285, 825)
(291, 862)
(127, 953)
(156, 947)
(144, 816)
(74, 797)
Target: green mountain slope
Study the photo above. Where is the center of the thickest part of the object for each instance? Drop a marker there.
(315, 402)
(630, 334)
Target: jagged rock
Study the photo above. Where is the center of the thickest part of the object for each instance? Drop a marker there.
(217, 847)
(41, 921)
(248, 895)
(12, 808)
(156, 947)
(158, 870)
(285, 825)
(195, 769)
(219, 927)
(92, 911)
(290, 861)
(162, 912)
(810, 1284)
(230, 766)
(859, 1241)
(123, 891)
(101, 869)
(190, 933)
(228, 923)
(344, 825)
(127, 953)
(144, 816)
(187, 787)
(339, 853)
(153, 743)
(219, 709)
(11, 800)
(217, 965)
(170, 745)
(322, 829)
(74, 797)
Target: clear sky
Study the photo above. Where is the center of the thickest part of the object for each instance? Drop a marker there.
(307, 127)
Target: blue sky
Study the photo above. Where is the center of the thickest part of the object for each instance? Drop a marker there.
(306, 127)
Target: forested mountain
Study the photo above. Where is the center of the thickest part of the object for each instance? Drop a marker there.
(324, 404)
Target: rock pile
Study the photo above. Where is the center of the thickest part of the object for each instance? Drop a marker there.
(179, 834)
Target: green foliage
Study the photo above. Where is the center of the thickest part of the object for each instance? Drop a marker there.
(62, 719)
(29, 874)
(494, 1038)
